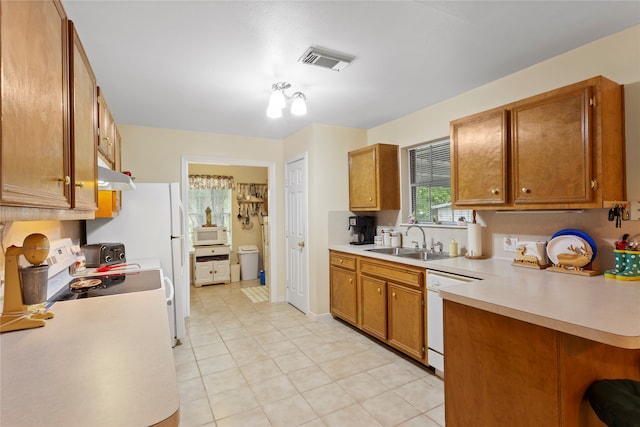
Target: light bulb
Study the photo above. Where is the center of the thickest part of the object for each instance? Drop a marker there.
(298, 106)
(276, 100)
(274, 112)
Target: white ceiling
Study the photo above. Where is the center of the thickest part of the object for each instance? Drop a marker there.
(209, 65)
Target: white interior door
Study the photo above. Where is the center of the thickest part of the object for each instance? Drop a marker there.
(296, 233)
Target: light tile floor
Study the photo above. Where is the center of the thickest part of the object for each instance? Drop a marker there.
(260, 364)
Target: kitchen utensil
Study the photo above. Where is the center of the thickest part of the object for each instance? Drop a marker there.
(115, 267)
(239, 212)
(15, 314)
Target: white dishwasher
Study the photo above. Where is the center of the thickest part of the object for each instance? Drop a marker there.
(435, 334)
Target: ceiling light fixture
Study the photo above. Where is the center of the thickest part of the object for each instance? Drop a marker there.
(278, 101)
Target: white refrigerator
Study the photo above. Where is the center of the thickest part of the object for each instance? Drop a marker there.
(151, 225)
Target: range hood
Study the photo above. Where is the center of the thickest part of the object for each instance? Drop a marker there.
(109, 179)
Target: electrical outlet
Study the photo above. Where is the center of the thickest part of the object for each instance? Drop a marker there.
(510, 244)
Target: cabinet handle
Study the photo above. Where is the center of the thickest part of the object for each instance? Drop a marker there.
(379, 291)
(494, 191)
(66, 180)
(393, 294)
(350, 280)
(525, 190)
(80, 184)
(594, 184)
(370, 199)
(340, 261)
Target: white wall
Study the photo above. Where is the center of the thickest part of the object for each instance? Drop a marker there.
(326, 148)
(616, 57)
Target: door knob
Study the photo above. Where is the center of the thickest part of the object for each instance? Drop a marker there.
(301, 244)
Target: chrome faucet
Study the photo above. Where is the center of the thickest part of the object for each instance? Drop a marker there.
(424, 237)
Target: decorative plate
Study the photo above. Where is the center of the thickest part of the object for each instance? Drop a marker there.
(582, 235)
(565, 247)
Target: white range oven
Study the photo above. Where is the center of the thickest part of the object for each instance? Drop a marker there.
(435, 332)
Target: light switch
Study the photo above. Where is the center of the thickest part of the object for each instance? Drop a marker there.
(634, 211)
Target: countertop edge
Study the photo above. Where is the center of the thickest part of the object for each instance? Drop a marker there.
(604, 337)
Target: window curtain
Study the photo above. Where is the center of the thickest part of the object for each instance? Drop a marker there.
(210, 182)
(213, 192)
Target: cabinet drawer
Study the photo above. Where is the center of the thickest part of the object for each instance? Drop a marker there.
(393, 272)
(203, 251)
(343, 260)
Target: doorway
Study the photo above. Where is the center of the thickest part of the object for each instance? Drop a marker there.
(212, 161)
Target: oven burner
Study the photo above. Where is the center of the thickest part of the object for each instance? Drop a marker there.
(85, 284)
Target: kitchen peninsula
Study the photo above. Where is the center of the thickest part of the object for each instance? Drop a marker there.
(99, 362)
(523, 345)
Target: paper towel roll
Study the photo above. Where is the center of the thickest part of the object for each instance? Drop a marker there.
(474, 240)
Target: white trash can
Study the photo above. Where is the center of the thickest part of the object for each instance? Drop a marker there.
(248, 256)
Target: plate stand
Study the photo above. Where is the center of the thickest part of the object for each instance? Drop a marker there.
(578, 272)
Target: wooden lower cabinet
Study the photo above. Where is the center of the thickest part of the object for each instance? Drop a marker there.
(505, 372)
(374, 306)
(386, 301)
(405, 315)
(344, 287)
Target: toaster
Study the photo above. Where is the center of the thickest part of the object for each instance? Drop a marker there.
(102, 254)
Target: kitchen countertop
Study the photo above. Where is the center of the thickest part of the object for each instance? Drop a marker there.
(595, 308)
(100, 362)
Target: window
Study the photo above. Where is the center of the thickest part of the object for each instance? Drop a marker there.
(209, 191)
(430, 180)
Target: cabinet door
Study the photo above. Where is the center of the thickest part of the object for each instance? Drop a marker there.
(479, 159)
(374, 306)
(84, 115)
(221, 271)
(343, 296)
(406, 320)
(106, 131)
(34, 133)
(552, 149)
(204, 272)
(363, 181)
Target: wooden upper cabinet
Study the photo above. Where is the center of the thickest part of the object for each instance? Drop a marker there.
(479, 153)
(35, 150)
(374, 180)
(553, 148)
(564, 150)
(84, 125)
(106, 131)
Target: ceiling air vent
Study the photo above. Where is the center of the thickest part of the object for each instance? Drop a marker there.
(326, 58)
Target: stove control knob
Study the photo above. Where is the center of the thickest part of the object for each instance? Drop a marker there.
(108, 258)
(121, 256)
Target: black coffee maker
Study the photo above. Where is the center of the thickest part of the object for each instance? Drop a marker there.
(363, 229)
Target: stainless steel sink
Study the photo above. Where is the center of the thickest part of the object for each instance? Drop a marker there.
(423, 256)
(409, 253)
(392, 251)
